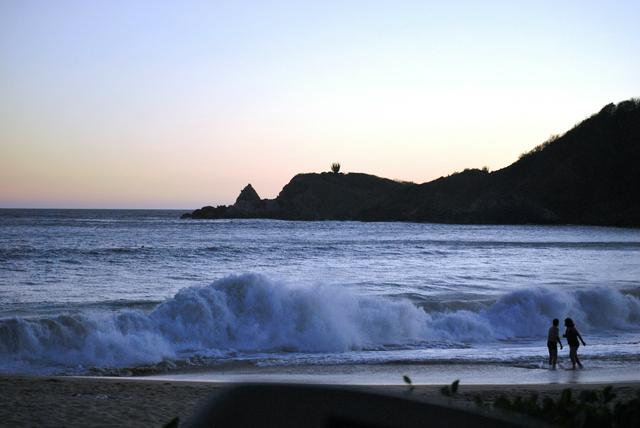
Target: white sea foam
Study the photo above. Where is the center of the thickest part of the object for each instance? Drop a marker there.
(527, 313)
(253, 314)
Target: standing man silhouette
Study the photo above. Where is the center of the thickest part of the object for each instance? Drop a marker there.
(553, 339)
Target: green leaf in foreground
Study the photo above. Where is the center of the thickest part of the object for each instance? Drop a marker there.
(407, 380)
(450, 390)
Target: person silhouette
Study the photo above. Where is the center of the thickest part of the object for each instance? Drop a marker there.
(553, 339)
(572, 334)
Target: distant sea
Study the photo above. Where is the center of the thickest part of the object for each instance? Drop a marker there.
(126, 292)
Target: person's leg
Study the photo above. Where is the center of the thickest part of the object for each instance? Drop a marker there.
(553, 359)
(572, 354)
(550, 348)
(577, 359)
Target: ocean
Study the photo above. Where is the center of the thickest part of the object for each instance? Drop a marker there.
(141, 292)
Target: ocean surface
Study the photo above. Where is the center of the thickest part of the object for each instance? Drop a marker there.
(129, 292)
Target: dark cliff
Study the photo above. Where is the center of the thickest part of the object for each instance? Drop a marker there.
(590, 175)
(325, 196)
(333, 196)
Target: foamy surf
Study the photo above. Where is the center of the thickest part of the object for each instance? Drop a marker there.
(253, 318)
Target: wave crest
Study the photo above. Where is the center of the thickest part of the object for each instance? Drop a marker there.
(252, 314)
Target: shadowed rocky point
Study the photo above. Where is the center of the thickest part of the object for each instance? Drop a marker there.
(589, 175)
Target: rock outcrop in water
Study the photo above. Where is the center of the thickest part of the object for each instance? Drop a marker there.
(589, 175)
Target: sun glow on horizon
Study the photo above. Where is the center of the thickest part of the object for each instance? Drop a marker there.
(155, 104)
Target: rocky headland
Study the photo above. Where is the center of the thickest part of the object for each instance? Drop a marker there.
(589, 175)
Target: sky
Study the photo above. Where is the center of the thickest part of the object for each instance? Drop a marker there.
(153, 104)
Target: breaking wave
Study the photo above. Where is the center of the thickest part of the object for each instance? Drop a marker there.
(252, 314)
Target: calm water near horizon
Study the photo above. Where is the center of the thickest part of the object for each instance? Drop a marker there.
(130, 291)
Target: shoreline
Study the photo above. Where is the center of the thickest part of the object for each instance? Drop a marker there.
(145, 401)
(376, 375)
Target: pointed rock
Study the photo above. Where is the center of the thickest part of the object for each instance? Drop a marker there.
(248, 194)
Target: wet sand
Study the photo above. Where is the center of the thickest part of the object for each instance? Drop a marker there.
(85, 402)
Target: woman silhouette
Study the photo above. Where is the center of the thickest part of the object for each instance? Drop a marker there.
(572, 336)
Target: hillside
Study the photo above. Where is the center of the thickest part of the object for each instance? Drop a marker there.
(589, 175)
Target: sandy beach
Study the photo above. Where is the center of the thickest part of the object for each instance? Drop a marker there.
(83, 402)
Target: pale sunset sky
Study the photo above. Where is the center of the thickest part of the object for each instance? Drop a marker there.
(154, 104)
